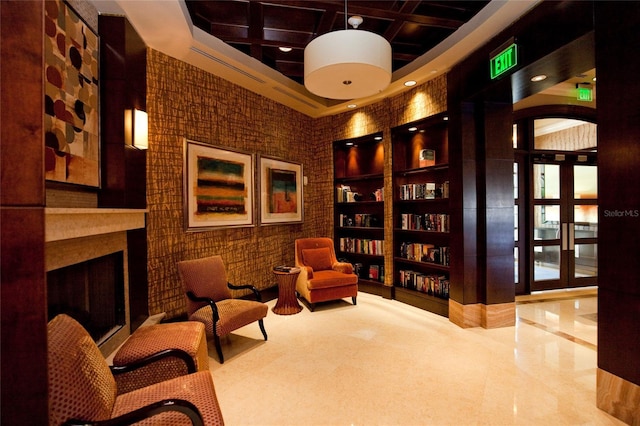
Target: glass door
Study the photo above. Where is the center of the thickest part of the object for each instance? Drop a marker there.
(564, 220)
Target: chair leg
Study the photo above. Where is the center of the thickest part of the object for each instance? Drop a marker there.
(216, 341)
(354, 300)
(264, 333)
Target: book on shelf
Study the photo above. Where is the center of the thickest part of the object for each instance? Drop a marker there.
(288, 269)
(427, 158)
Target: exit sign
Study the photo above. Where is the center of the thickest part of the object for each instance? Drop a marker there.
(585, 94)
(504, 61)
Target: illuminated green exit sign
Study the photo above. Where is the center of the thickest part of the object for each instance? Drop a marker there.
(585, 94)
(504, 61)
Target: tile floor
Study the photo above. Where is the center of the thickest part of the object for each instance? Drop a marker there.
(383, 362)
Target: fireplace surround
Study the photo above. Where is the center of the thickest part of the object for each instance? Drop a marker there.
(75, 236)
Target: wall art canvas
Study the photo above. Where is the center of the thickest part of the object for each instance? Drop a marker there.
(71, 114)
(280, 191)
(218, 187)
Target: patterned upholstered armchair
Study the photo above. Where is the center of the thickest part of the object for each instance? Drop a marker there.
(83, 390)
(322, 277)
(210, 302)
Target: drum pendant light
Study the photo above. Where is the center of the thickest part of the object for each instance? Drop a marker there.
(347, 64)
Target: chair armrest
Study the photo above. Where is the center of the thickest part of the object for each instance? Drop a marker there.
(344, 267)
(167, 353)
(255, 291)
(209, 301)
(308, 270)
(180, 405)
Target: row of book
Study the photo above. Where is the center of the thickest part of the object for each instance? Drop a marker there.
(362, 246)
(438, 222)
(422, 252)
(434, 285)
(344, 194)
(424, 191)
(359, 219)
(375, 272)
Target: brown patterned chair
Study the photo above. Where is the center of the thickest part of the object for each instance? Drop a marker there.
(82, 388)
(176, 340)
(322, 277)
(210, 302)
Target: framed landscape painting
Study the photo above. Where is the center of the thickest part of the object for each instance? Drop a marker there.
(218, 187)
(280, 191)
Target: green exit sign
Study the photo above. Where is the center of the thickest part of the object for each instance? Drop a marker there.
(504, 61)
(585, 94)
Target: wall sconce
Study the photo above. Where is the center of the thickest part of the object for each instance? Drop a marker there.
(136, 128)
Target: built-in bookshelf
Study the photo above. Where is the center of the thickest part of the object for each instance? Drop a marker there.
(359, 209)
(421, 221)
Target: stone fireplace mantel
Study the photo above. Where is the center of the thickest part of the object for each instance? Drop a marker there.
(68, 223)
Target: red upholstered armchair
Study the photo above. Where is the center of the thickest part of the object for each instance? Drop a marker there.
(322, 277)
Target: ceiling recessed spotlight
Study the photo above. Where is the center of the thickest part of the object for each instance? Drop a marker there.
(412, 129)
(285, 49)
(538, 77)
(352, 106)
(410, 83)
(445, 118)
(378, 138)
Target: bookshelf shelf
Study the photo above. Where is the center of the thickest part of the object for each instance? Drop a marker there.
(421, 214)
(359, 209)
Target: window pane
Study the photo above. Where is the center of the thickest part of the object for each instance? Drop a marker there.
(515, 181)
(586, 260)
(515, 223)
(546, 222)
(585, 182)
(586, 221)
(546, 181)
(547, 263)
(515, 136)
(515, 263)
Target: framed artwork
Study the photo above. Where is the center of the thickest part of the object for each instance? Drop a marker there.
(71, 98)
(280, 191)
(218, 187)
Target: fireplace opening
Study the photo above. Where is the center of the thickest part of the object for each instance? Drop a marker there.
(92, 292)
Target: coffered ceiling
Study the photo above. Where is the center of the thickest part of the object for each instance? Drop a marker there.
(239, 40)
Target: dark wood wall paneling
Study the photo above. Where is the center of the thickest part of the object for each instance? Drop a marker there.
(618, 117)
(123, 64)
(23, 285)
(480, 134)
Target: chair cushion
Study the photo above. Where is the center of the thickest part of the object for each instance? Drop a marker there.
(196, 388)
(326, 279)
(319, 258)
(234, 313)
(187, 335)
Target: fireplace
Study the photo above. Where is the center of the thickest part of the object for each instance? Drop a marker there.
(92, 292)
(87, 271)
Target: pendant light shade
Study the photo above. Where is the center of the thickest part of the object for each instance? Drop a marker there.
(347, 64)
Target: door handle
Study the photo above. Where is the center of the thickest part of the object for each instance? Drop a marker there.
(572, 232)
(563, 235)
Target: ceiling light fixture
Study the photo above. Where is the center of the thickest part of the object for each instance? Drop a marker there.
(410, 83)
(347, 64)
(285, 49)
(538, 77)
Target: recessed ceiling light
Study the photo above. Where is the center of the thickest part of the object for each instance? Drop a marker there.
(349, 144)
(285, 49)
(378, 138)
(412, 129)
(538, 77)
(410, 83)
(352, 106)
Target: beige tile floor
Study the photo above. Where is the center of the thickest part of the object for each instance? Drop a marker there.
(383, 362)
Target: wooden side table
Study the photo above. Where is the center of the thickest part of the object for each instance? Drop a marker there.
(287, 303)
